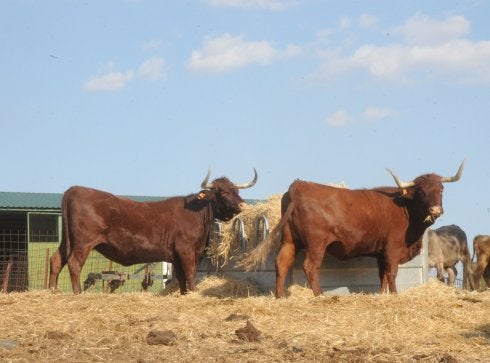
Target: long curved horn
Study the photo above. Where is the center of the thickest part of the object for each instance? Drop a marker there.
(205, 184)
(399, 182)
(450, 179)
(249, 184)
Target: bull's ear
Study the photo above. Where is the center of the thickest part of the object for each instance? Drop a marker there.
(407, 193)
(204, 195)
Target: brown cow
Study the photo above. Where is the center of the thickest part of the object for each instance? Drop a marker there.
(386, 223)
(174, 230)
(448, 245)
(481, 247)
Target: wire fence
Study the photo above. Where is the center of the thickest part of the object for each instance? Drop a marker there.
(458, 282)
(25, 266)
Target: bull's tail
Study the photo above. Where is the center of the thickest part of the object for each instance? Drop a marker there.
(258, 256)
(60, 256)
(65, 235)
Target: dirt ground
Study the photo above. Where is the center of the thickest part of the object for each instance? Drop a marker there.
(230, 321)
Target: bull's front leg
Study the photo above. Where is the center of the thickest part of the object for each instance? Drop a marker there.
(451, 275)
(383, 278)
(388, 279)
(391, 272)
(180, 276)
(190, 276)
(440, 272)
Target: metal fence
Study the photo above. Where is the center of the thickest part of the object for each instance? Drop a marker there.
(13, 261)
(25, 266)
(458, 282)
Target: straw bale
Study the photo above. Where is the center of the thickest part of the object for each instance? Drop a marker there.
(430, 323)
(221, 252)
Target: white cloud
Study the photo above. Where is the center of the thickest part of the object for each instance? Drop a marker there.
(344, 23)
(152, 69)
(376, 113)
(368, 21)
(111, 81)
(254, 4)
(456, 61)
(423, 30)
(339, 118)
(151, 45)
(444, 55)
(228, 52)
(342, 117)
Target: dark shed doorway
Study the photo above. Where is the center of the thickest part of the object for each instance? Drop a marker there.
(13, 254)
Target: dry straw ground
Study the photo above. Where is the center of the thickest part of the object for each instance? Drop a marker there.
(229, 321)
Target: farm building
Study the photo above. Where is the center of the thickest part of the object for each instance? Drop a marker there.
(30, 231)
(26, 219)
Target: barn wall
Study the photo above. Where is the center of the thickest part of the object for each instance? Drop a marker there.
(336, 276)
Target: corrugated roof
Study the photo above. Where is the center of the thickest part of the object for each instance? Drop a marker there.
(16, 200)
(21, 200)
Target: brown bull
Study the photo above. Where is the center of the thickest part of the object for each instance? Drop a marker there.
(448, 245)
(481, 247)
(175, 230)
(386, 223)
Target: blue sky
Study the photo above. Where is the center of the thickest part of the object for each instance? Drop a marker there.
(139, 97)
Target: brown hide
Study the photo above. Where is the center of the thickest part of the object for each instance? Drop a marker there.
(386, 223)
(448, 245)
(481, 248)
(174, 230)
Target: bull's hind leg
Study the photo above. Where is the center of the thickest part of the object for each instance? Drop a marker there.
(486, 276)
(56, 263)
(75, 263)
(312, 265)
(284, 261)
(482, 265)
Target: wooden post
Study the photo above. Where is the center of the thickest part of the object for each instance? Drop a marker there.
(6, 275)
(46, 269)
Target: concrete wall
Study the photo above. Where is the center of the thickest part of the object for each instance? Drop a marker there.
(340, 277)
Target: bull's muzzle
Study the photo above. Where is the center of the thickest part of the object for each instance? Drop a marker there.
(436, 211)
(242, 206)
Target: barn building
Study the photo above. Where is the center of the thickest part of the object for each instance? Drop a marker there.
(30, 231)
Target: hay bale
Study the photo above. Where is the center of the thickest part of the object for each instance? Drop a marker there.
(221, 252)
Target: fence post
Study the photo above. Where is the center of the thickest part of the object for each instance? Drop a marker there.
(46, 269)
(6, 275)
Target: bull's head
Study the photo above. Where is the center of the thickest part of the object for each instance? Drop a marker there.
(224, 196)
(427, 189)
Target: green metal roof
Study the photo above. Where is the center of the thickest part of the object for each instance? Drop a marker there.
(21, 200)
(14, 200)
(18, 200)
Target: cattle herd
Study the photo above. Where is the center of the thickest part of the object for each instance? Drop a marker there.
(387, 223)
